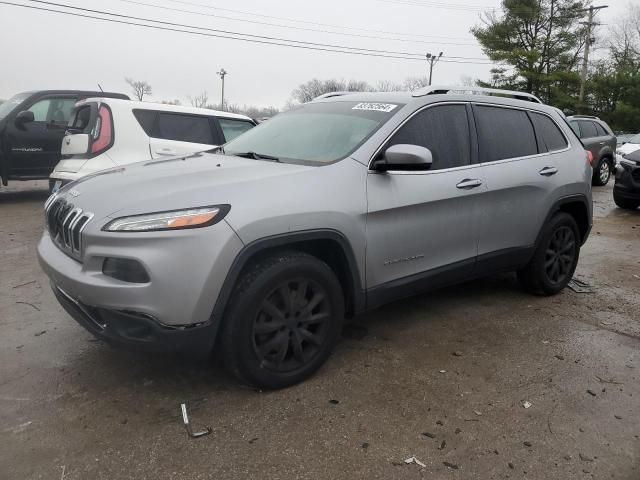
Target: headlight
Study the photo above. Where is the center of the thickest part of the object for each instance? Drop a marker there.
(172, 220)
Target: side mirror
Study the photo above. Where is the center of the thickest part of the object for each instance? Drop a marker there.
(24, 117)
(404, 157)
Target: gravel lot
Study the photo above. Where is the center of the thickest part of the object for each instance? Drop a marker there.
(456, 364)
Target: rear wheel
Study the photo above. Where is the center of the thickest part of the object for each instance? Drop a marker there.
(602, 173)
(625, 203)
(555, 259)
(283, 320)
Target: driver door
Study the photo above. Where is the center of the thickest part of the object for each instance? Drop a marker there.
(34, 147)
(422, 226)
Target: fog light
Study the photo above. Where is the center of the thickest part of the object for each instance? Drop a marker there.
(126, 270)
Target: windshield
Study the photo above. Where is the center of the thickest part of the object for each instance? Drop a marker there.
(13, 102)
(314, 132)
(633, 139)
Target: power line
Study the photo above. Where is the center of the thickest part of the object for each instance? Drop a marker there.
(288, 19)
(232, 35)
(293, 27)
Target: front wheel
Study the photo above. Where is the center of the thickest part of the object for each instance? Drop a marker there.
(283, 320)
(555, 259)
(602, 173)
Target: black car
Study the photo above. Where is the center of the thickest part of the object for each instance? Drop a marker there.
(600, 140)
(626, 191)
(32, 125)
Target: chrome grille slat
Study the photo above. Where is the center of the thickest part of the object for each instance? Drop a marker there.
(66, 223)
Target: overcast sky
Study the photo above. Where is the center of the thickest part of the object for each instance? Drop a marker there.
(46, 50)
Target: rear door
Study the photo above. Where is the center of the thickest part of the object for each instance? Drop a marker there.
(521, 177)
(182, 133)
(34, 148)
(422, 226)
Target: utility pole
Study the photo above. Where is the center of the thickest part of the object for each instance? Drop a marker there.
(587, 46)
(432, 59)
(223, 73)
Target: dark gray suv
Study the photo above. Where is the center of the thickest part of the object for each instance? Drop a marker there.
(600, 140)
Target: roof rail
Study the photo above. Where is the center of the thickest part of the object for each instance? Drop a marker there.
(585, 116)
(439, 89)
(332, 94)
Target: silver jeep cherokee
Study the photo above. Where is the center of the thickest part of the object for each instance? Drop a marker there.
(260, 250)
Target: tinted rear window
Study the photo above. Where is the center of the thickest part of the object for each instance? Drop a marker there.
(504, 133)
(548, 132)
(146, 119)
(587, 129)
(444, 130)
(184, 128)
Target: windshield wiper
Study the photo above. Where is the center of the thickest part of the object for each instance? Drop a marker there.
(255, 156)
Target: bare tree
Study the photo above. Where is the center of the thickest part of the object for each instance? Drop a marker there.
(140, 88)
(388, 86)
(200, 101)
(314, 88)
(414, 83)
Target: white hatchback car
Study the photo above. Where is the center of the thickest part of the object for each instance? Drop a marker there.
(106, 132)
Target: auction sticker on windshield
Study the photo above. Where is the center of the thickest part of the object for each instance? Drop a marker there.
(376, 107)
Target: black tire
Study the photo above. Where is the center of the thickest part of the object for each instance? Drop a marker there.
(602, 173)
(555, 259)
(625, 203)
(270, 337)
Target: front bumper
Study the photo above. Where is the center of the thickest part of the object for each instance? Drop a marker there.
(137, 331)
(186, 269)
(627, 184)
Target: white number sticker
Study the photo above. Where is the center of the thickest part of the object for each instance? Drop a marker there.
(376, 107)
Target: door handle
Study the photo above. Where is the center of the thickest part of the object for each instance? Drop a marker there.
(165, 151)
(548, 171)
(469, 183)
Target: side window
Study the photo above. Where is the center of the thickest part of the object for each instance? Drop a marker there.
(233, 128)
(548, 132)
(185, 128)
(575, 128)
(146, 119)
(504, 133)
(587, 129)
(442, 129)
(57, 110)
(601, 131)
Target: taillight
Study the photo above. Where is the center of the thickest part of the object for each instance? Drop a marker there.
(103, 131)
(589, 156)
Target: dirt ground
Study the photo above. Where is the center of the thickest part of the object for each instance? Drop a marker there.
(441, 377)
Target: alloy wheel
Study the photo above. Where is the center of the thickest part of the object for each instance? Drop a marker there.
(560, 255)
(605, 171)
(291, 325)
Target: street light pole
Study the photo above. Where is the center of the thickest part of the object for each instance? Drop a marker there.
(223, 73)
(585, 59)
(432, 59)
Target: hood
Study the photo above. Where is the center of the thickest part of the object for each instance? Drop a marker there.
(172, 183)
(628, 148)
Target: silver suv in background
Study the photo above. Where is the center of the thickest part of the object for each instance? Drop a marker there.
(600, 140)
(260, 250)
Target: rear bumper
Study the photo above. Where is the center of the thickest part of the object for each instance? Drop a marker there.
(135, 331)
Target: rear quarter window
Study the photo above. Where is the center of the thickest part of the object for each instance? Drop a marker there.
(587, 129)
(601, 131)
(550, 136)
(146, 119)
(504, 133)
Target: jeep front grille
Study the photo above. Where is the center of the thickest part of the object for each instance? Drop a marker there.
(65, 223)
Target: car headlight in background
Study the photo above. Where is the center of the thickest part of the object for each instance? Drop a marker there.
(171, 220)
